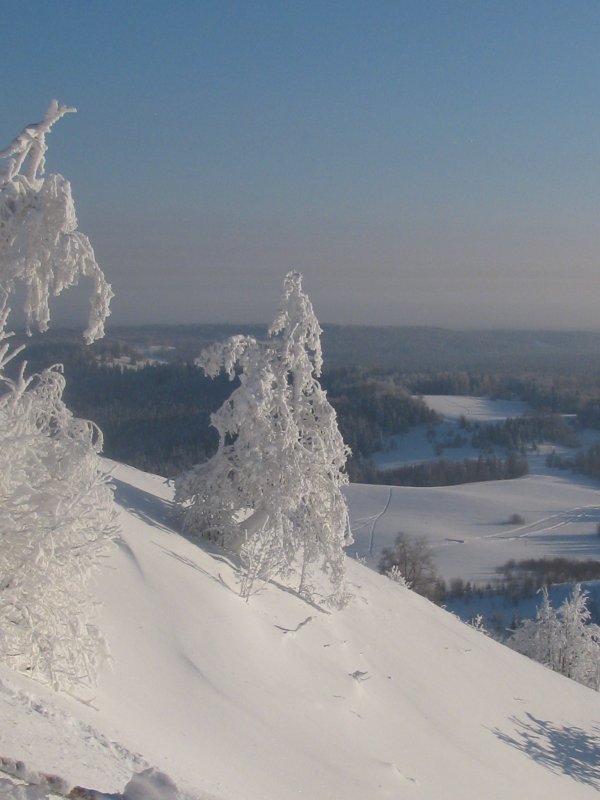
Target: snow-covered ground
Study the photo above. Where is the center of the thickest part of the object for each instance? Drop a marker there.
(419, 445)
(475, 409)
(448, 440)
(277, 699)
(467, 526)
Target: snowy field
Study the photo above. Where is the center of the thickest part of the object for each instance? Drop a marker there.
(417, 445)
(467, 526)
(475, 409)
(276, 699)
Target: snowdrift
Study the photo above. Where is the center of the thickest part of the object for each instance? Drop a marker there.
(276, 699)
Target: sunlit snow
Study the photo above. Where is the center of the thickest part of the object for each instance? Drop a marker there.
(275, 699)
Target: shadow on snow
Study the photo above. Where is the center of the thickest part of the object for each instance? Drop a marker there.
(566, 750)
(147, 507)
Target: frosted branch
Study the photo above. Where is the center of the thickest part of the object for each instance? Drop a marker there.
(40, 245)
(31, 144)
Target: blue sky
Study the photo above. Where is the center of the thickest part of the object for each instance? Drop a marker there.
(420, 162)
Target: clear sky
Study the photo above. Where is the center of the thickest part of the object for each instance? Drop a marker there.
(432, 162)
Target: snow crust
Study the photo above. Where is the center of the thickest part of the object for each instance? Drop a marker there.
(388, 698)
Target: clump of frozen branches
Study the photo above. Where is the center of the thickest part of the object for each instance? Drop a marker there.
(478, 623)
(40, 246)
(394, 573)
(56, 506)
(272, 493)
(56, 521)
(563, 639)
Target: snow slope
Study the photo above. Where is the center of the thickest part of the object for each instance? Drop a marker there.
(276, 699)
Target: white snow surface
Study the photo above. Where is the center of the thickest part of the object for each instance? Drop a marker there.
(275, 699)
(466, 525)
(475, 409)
(416, 445)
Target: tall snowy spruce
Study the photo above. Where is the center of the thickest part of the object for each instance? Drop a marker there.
(56, 504)
(272, 493)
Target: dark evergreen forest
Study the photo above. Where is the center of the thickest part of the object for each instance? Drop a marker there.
(153, 405)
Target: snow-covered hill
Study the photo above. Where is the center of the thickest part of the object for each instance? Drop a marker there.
(276, 699)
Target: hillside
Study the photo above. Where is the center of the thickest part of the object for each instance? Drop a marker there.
(275, 699)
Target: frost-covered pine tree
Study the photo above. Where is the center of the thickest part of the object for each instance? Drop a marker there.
(563, 640)
(272, 492)
(56, 504)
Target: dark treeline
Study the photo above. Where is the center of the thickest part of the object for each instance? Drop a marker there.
(520, 433)
(444, 472)
(545, 393)
(586, 462)
(549, 393)
(546, 571)
(519, 580)
(157, 417)
(370, 409)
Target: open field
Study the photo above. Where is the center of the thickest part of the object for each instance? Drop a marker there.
(467, 525)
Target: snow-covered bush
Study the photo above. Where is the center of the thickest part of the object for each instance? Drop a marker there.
(396, 576)
(56, 506)
(272, 492)
(56, 519)
(563, 639)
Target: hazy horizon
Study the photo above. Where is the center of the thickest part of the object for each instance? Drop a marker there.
(72, 316)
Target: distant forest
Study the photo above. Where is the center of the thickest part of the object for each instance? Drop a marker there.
(153, 405)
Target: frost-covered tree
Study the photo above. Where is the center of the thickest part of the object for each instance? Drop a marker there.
(40, 246)
(56, 506)
(412, 559)
(272, 492)
(563, 639)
